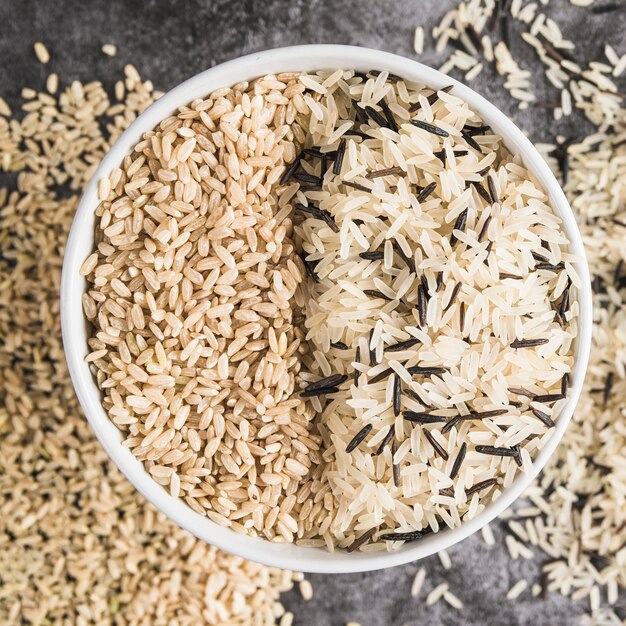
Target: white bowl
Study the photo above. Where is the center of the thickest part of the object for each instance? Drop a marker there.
(81, 242)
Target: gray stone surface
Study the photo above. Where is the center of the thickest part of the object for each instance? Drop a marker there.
(170, 41)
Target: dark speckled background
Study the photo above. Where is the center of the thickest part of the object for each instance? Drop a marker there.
(170, 41)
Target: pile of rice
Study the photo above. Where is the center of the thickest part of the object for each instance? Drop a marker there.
(578, 515)
(482, 33)
(439, 310)
(77, 543)
(575, 513)
(197, 345)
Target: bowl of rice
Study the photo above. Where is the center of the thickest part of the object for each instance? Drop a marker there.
(326, 308)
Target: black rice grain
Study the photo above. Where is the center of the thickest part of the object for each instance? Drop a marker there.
(483, 230)
(361, 115)
(311, 393)
(421, 304)
(553, 267)
(552, 52)
(416, 397)
(380, 376)
(386, 172)
(431, 99)
(482, 192)
(495, 450)
(291, 170)
(607, 8)
(483, 484)
(430, 128)
(471, 142)
(476, 130)
(357, 133)
(323, 166)
(317, 213)
(544, 417)
(362, 540)
(436, 445)
(548, 397)
(492, 189)
(397, 394)
(438, 281)
(488, 250)
(528, 343)
(390, 77)
(374, 293)
(451, 424)
(518, 391)
(385, 441)
(372, 256)
(308, 209)
(425, 371)
(314, 152)
(309, 266)
(458, 460)
(303, 177)
(485, 414)
(461, 220)
(395, 468)
(330, 381)
(453, 296)
(410, 536)
(402, 345)
(341, 150)
(349, 183)
(424, 193)
(375, 116)
(417, 417)
(391, 122)
(408, 261)
(330, 221)
(358, 438)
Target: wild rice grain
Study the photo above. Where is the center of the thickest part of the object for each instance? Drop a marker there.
(458, 460)
(358, 438)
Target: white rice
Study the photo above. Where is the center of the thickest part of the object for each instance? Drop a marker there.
(418, 40)
(471, 376)
(418, 582)
(517, 589)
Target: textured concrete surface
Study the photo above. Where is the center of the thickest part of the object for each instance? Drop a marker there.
(170, 41)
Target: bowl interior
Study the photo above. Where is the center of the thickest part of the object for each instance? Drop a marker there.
(75, 331)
